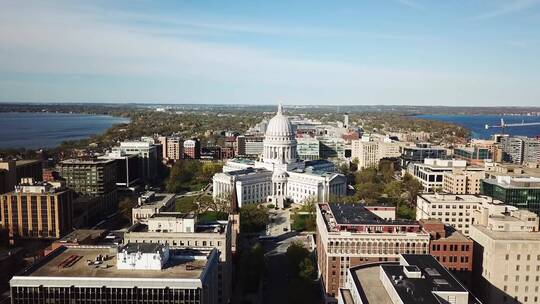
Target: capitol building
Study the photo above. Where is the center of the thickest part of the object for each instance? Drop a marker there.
(279, 175)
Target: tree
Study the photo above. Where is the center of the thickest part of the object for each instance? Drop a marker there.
(393, 189)
(211, 168)
(366, 175)
(412, 186)
(253, 218)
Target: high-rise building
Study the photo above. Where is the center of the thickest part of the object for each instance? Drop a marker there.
(520, 149)
(350, 235)
(37, 210)
(147, 153)
(178, 230)
(192, 149)
(522, 192)
(131, 273)
(366, 152)
(128, 172)
(172, 147)
(94, 182)
(506, 256)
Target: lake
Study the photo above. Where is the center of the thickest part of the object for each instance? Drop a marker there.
(476, 124)
(47, 130)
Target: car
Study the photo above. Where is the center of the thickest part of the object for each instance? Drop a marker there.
(285, 229)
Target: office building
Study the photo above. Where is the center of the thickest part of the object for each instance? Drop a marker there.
(192, 149)
(132, 273)
(522, 192)
(506, 256)
(150, 203)
(460, 181)
(416, 279)
(128, 172)
(474, 154)
(350, 235)
(178, 230)
(430, 173)
(147, 153)
(254, 146)
(308, 148)
(37, 210)
(419, 152)
(332, 146)
(29, 169)
(455, 210)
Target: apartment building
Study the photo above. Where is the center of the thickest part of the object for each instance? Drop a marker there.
(192, 149)
(36, 210)
(172, 147)
(366, 152)
(350, 235)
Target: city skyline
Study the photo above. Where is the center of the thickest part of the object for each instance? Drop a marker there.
(389, 53)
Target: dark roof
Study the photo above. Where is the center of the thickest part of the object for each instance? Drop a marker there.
(356, 214)
(434, 277)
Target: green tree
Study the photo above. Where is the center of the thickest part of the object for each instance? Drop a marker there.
(393, 189)
(412, 186)
(253, 218)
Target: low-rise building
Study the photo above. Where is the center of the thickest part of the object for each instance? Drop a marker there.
(454, 210)
(178, 230)
(506, 256)
(129, 273)
(415, 279)
(150, 203)
(462, 181)
(431, 172)
(350, 235)
(451, 248)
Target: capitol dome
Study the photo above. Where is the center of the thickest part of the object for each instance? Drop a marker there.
(279, 125)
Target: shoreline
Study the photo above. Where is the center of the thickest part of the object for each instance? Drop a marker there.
(58, 141)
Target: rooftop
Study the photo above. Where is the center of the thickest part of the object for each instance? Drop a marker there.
(80, 235)
(79, 262)
(509, 235)
(417, 279)
(461, 198)
(73, 161)
(515, 182)
(150, 200)
(352, 214)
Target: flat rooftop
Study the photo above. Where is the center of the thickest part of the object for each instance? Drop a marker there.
(156, 199)
(356, 214)
(82, 235)
(434, 278)
(55, 266)
(509, 235)
(459, 198)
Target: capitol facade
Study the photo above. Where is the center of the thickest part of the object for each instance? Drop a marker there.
(279, 175)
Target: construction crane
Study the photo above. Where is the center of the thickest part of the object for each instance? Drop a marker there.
(504, 125)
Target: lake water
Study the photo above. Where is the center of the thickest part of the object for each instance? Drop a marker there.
(476, 124)
(47, 130)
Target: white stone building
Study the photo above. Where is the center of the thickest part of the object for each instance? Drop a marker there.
(280, 174)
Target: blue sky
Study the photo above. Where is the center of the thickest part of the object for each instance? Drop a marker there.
(483, 53)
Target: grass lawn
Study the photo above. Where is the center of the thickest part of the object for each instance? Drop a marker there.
(186, 204)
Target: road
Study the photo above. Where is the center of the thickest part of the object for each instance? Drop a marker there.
(280, 222)
(275, 282)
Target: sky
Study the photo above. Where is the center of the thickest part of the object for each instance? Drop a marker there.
(391, 52)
